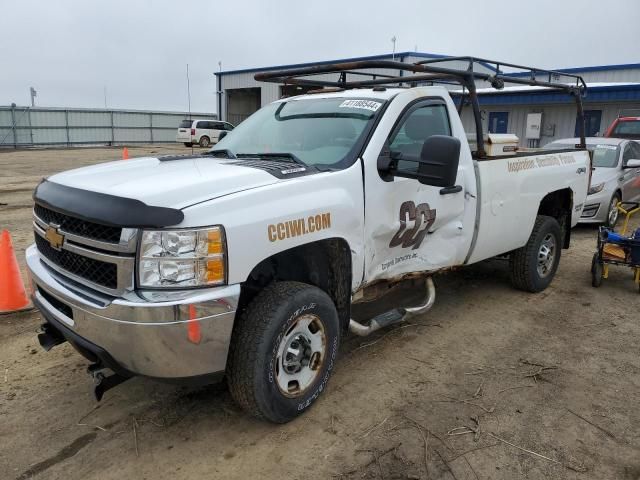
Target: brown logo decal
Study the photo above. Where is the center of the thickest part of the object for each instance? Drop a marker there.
(422, 216)
(298, 227)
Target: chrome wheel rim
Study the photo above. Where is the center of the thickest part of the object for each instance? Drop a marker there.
(546, 255)
(613, 212)
(301, 355)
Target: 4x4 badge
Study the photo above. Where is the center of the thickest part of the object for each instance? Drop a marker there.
(54, 237)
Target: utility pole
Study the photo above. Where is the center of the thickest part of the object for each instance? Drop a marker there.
(393, 40)
(189, 91)
(104, 90)
(34, 94)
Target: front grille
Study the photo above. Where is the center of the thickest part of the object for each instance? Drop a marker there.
(101, 273)
(57, 304)
(77, 226)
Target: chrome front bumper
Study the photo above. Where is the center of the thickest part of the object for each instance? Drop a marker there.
(165, 335)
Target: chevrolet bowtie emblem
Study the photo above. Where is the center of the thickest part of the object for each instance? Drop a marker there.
(55, 238)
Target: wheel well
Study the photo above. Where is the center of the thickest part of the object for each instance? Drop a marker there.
(559, 205)
(325, 264)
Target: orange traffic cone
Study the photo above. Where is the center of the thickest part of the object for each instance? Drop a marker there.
(125, 154)
(12, 294)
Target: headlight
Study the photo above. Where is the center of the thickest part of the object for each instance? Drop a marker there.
(596, 188)
(182, 258)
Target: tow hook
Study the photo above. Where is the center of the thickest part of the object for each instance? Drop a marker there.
(102, 381)
(396, 315)
(49, 337)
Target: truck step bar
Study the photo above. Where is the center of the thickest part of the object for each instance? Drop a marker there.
(396, 315)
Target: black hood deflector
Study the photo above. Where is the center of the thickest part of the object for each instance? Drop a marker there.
(103, 208)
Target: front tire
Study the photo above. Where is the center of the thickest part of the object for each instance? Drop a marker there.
(534, 265)
(613, 213)
(283, 350)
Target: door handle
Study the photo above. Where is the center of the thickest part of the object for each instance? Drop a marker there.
(448, 190)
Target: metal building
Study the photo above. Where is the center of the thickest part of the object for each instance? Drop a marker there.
(611, 89)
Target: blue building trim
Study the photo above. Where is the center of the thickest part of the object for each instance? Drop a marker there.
(388, 56)
(613, 93)
(594, 68)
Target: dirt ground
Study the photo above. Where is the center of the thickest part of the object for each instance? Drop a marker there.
(492, 383)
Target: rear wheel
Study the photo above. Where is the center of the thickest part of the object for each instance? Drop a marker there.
(613, 213)
(534, 265)
(283, 351)
(204, 141)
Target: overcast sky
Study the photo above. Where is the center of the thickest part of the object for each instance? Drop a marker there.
(71, 50)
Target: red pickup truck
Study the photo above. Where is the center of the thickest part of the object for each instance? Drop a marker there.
(627, 125)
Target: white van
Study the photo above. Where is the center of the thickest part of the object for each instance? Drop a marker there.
(201, 132)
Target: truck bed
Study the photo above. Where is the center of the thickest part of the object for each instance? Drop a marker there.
(510, 193)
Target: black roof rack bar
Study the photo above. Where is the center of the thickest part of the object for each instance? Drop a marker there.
(533, 71)
(427, 71)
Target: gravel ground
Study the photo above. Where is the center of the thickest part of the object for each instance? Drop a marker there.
(492, 383)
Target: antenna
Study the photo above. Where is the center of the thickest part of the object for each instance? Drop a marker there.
(104, 91)
(393, 40)
(34, 94)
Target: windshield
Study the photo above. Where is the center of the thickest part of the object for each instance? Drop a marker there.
(627, 129)
(185, 124)
(319, 131)
(604, 156)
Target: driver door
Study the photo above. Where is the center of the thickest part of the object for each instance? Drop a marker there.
(630, 176)
(410, 226)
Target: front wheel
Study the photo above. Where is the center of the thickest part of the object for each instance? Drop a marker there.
(534, 265)
(613, 213)
(283, 350)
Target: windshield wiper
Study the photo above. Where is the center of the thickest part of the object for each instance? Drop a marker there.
(270, 155)
(221, 153)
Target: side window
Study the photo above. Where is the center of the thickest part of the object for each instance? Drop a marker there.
(418, 124)
(217, 125)
(635, 150)
(628, 154)
(228, 127)
(202, 125)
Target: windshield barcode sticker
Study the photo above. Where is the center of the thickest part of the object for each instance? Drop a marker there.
(364, 104)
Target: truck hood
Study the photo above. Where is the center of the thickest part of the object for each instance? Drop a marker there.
(166, 183)
(602, 174)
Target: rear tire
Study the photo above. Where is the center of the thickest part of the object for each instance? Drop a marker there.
(188, 144)
(205, 141)
(534, 265)
(282, 351)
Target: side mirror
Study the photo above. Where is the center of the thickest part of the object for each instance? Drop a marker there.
(633, 163)
(438, 162)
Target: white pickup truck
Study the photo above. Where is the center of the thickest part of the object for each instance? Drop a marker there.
(245, 261)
